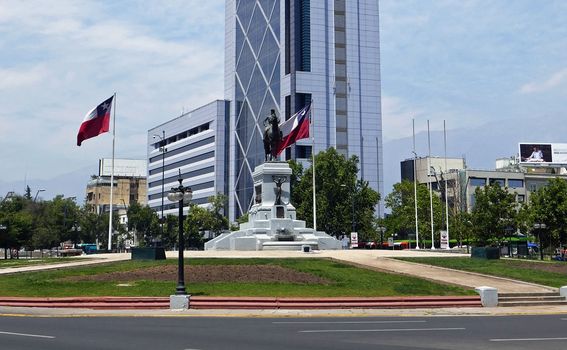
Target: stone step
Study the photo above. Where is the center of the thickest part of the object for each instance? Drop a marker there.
(531, 303)
(500, 295)
(532, 298)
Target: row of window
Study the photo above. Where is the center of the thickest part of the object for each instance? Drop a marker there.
(481, 181)
(185, 148)
(168, 206)
(182, 135)
(197, 187)
(183, 162)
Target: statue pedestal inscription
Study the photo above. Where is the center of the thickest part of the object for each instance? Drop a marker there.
(272, 222)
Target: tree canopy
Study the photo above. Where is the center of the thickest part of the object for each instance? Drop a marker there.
(344, 202)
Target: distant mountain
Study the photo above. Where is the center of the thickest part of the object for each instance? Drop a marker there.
(72, 184)
(479, 146)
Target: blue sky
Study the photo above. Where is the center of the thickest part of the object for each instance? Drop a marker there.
(467, 62)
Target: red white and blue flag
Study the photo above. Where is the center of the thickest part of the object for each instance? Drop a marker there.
(96, 122)
(295, 128)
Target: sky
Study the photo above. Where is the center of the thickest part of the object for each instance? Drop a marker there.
(469, 63)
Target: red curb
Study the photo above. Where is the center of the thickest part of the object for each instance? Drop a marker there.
(200, 302)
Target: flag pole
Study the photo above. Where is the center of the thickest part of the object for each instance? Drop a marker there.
(313, 172)
(112, 175)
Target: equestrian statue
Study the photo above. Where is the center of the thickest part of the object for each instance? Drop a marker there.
(272, 136)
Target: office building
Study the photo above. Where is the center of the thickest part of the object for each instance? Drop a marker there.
(193, 146)
(129, 186)
(283, 54)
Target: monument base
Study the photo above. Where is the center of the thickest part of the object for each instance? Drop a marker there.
(272, 223)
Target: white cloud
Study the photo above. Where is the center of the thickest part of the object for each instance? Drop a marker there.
(555, 80)
(21, 78)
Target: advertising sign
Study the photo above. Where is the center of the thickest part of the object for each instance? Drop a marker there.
(354, 239)
(543, 153)
(390, 242)
(444, 240)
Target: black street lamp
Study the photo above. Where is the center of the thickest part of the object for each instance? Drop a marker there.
(180, 194)
(163, 150)
(538, 226)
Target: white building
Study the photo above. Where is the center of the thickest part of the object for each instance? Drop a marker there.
(193, 145)
(283, 54)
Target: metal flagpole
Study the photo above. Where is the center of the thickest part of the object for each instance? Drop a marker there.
(430, 186)
(446, 196)
(415, 187)
(112, 175)
(313, 172)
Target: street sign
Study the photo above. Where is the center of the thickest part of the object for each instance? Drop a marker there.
(354, 240)
(390, 242)
(444, 240)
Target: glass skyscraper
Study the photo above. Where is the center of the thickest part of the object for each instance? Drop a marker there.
(281, 55)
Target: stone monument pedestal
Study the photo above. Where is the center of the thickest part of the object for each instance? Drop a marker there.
(272, 223)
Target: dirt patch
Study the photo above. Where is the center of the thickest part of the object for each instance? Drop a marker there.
(210, 274)
(560, 267)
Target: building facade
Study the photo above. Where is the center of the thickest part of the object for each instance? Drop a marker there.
(193, 146)
(130, 185)
(282, 55)
(461, 182)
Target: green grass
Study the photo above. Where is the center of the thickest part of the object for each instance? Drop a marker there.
(515, 269)
(345, 280)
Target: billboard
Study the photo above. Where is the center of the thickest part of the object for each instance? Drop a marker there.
(543, 153)
(123, 167)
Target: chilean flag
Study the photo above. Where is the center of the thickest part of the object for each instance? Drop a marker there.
(96, 122)
(295, 128)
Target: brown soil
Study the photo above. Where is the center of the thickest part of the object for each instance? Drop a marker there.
(210, 273)
(555, 267)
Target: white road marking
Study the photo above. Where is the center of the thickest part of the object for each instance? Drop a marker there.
(527, 339)
(381, 330)
(343, 322)
(28, 335)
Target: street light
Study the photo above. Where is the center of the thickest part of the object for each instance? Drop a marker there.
(35, 198)
(382, 229)
(163, 150)
(539, 226)
(180, 194)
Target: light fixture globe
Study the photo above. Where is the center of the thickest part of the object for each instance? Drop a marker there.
(174, 196)
(187, 196)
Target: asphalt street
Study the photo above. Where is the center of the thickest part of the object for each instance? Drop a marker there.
(204, 333)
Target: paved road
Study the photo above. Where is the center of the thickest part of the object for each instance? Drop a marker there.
(518, 332)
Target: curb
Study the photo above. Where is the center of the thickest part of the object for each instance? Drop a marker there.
(200, 302)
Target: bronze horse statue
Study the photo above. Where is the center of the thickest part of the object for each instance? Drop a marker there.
(272, 136)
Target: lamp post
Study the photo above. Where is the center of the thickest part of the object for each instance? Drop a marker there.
(40, 190)
(163, 150)
(180, 194)
(4, 230)
(539, 226)
(382, 229)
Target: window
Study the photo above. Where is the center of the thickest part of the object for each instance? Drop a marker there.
(520, 198)
(477, 181)
(500, 182)
(515, 183)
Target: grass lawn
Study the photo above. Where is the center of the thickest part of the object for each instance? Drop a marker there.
(344, 280)
(523, 270)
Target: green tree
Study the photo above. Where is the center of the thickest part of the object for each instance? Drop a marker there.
(548, 206)
(494, 210)
(197, 221)
(144, 222)
(218, 222)
(338, 192)
(401, 202)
